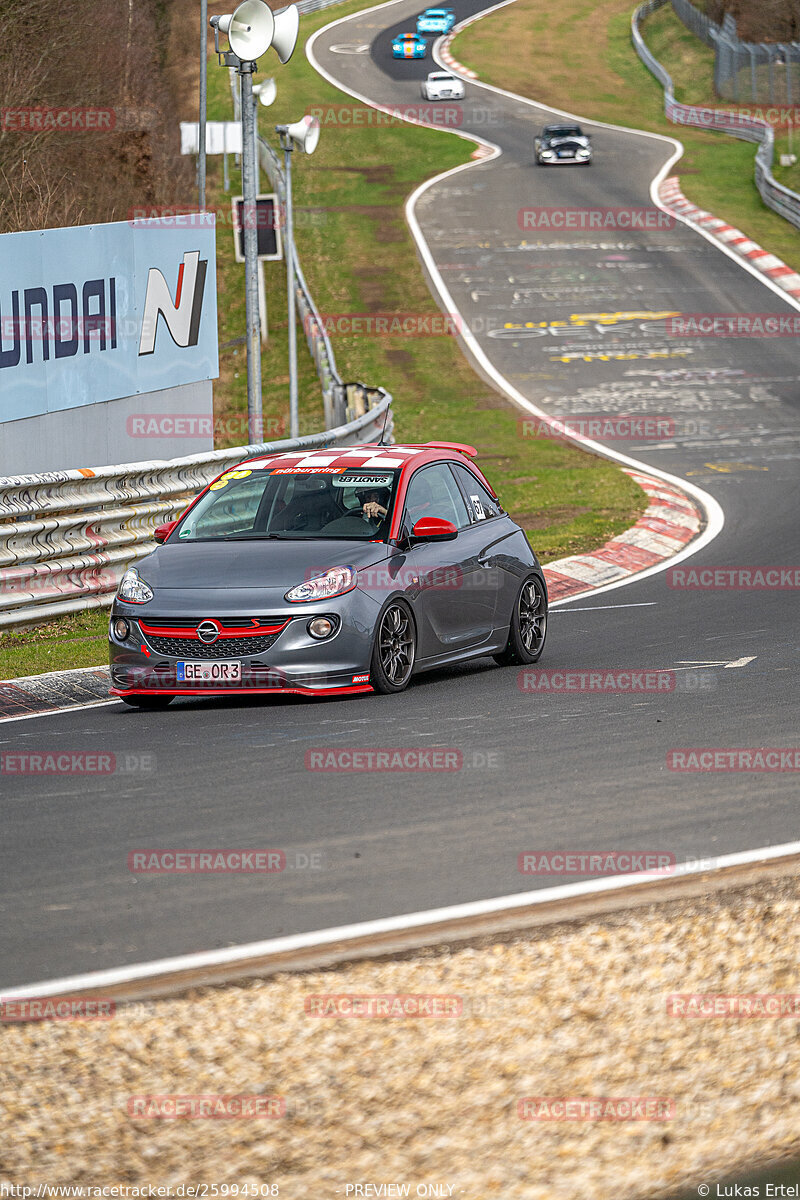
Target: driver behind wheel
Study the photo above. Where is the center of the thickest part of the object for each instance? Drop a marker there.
(373, 508)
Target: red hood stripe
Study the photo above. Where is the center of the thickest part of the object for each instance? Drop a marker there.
(236, 632)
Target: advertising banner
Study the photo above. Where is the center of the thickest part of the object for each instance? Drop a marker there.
(93, 313)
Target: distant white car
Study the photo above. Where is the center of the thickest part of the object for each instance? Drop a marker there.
(440, 85)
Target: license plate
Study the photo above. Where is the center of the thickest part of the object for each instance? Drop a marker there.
(209, 672)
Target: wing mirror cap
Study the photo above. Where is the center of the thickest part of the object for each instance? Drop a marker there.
(162, 532)
(433, 529)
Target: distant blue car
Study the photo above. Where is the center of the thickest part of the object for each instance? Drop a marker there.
(436, 20)
(409, 45)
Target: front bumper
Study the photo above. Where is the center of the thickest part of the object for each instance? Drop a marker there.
(567, 162)
(290, 663)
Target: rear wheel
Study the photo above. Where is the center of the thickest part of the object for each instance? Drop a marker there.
(528, 627)
(150, 702)
(394, 650)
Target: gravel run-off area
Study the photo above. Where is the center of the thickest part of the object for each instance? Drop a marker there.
(574, 1010)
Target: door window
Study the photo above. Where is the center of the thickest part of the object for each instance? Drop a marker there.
(432, 492)
(482, 503)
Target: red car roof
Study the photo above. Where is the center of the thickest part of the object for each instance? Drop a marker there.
(371, 456)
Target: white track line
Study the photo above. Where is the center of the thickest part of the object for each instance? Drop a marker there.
(715, 518)
(419, 920)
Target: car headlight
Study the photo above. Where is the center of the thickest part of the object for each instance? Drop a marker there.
(547, 154)
(134, 590)
(335, 582)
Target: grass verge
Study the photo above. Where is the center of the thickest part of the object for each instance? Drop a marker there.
(359, 258)
(80, 640)
(605, 79)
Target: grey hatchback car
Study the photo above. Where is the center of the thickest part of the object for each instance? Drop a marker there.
(325, 573)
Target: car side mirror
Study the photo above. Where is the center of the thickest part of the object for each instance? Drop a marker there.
(162, 532)
(433, 529)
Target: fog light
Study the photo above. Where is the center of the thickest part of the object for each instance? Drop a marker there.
(121, 628)
(320, 627)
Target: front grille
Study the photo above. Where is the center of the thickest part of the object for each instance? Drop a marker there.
(240, 647)
(165, 635)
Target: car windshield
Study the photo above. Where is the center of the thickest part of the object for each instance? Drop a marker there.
(252, 503)
(441, 78)
(564, 131)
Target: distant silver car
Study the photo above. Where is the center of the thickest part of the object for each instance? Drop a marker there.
(441, 85)
(557, 145)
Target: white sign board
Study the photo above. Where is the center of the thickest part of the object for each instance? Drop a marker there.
(222, 137)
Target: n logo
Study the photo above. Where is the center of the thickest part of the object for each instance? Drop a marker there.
(183, 316)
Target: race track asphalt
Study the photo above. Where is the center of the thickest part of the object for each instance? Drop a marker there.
(541, 771)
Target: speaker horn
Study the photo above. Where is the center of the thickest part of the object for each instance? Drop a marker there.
(305, 134)
(266, 92)
(287, 27)
(249, 27)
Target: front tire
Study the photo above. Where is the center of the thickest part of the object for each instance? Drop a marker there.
(153, 703)
(394, 650)
(528, 628)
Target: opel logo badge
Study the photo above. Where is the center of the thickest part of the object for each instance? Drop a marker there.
(207, 632)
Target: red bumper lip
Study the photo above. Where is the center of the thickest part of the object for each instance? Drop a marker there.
(233, 691)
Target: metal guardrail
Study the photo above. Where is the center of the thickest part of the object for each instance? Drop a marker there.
(67, 536)
(777, 197)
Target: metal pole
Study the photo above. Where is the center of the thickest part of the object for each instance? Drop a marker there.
(249, 218)
(262, 291)
(201, 161)
(294, 427)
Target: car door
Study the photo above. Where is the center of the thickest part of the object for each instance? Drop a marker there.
(453, 608)
(490, 532)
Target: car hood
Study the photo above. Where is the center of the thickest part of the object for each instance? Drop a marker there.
(257, 564)
(568, 141)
